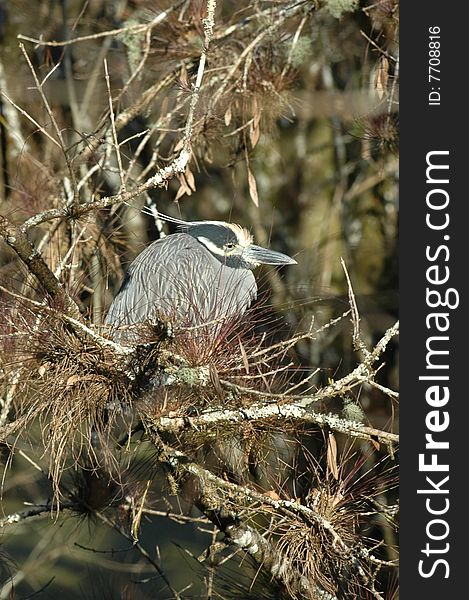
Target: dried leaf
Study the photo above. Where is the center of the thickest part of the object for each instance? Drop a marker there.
(164, 106)
(332, 456)
(257, 117)
(183, 78)
(43, 368)
(215, 380)
(181, 192)
(228, 116)
(256, 111)
(244, 357)
(190, 179)
(73, 379)
(272, 495)
(254, 133)
(179, 145)
(337, 498)
(253, 187)
(137, 517)
(381, 77)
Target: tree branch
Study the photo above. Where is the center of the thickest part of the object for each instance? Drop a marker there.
(16, 238)
(263, 411)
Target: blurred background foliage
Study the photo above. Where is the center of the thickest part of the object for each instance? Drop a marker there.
(295, 137)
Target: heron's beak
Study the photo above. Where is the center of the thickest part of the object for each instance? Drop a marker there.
(259, 255)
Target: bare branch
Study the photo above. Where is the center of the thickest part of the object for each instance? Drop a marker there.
(275, 411)
(16, 238)
(114, 32)
(113, 127)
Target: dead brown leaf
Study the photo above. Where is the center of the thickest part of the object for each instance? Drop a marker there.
(381, 77)
(252, 187)
(332, 455)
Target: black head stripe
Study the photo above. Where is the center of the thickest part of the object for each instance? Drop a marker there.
(217, 234)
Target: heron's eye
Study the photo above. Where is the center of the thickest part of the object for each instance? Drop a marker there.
(230, 246)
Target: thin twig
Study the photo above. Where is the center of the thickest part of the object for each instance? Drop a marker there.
(113, 32)
(39, 88)
(358, 343)
(31, 119)
(140, 548)
(113, 128)
(103, 342)
(208, 23)
(16, 238)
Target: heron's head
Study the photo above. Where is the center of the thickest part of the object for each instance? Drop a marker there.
(234, 245)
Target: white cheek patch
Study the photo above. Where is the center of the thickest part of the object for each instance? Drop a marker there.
(213, 248)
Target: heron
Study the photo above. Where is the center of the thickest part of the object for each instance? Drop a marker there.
(200, 280)
(198, 277)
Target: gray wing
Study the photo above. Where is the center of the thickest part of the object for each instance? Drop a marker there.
(177, 278)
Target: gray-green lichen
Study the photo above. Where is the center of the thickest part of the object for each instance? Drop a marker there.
(337, 8)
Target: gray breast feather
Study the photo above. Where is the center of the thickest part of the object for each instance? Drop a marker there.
(179, 279)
